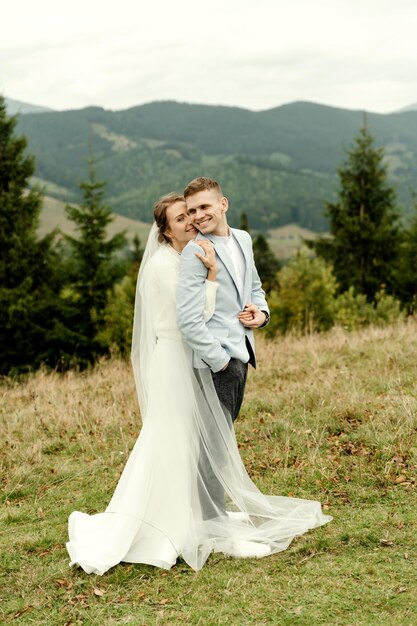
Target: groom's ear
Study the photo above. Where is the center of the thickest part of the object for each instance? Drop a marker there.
(224, 204)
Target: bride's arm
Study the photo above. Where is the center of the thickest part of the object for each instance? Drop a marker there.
(209, 260)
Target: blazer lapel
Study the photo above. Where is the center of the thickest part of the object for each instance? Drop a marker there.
(224, 256)
(247, 253)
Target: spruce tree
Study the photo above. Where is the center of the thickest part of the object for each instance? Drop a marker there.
(94, 266)
(244, 222)
(363, 246)
(137, 252)
(29, 283)
(266, 263)
(19, 207)
(406, 270)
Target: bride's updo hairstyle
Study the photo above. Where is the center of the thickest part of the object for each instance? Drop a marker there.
(160, 213)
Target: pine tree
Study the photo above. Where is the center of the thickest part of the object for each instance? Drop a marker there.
(94, 265)
(244, 222)
(266, 263)
(29, 280)
(19, 208)
(363, 224)
(406, 270)
(137, 252)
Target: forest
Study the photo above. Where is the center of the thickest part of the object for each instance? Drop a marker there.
(278, 166)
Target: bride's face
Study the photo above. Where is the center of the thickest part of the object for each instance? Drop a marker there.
(180, 229)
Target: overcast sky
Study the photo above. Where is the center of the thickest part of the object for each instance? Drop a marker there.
(257, 54)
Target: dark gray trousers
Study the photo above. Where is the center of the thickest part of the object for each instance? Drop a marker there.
(230, 388)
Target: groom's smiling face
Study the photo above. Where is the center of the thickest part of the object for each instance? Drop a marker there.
(207, 210)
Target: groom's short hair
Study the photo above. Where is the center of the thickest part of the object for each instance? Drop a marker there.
(202, 183)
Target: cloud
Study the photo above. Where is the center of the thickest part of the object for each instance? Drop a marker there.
(253, 54)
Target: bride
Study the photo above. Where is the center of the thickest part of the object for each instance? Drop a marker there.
(157, 512)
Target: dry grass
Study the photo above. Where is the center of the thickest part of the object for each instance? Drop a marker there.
(330, 417)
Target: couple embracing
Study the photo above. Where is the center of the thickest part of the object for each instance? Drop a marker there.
(184, 491)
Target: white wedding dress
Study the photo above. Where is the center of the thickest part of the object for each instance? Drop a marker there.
(159, 509)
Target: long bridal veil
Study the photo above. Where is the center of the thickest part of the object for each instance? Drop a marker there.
(184, 491)
(144, 333)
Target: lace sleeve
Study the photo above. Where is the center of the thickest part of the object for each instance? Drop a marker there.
(210, 301)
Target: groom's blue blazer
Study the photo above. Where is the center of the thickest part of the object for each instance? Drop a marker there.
(222, 336)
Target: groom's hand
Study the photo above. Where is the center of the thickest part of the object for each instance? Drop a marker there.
(252, 317)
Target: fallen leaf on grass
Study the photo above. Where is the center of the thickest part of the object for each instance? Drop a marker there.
(386, 542)
(298, 610)
(25, 610)
(81, 599)
(99, 592)
(310, 556)
(64, 582)
(123, 599)
(342, 495)
(142, 596)
(44, 552)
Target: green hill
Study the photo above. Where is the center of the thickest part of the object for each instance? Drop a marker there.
(53, 216)
(279, 165)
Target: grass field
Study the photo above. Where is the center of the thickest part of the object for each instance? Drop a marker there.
(330, 417)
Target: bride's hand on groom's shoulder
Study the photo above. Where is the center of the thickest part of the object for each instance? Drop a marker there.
(208, 258)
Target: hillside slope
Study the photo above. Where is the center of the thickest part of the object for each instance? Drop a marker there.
(279, 165)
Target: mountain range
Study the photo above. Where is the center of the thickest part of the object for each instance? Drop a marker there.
(17, 106)
(278, 166)
(410, 107)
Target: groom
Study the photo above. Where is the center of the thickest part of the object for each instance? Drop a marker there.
(225, 342)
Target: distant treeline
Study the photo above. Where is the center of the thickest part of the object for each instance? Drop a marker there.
(277, 166)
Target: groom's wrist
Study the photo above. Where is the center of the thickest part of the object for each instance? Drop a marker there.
(267, 318)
